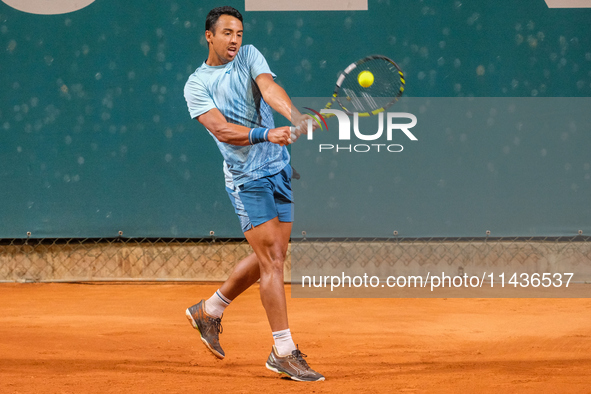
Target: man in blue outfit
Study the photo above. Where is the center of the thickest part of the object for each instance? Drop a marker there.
(232, 94)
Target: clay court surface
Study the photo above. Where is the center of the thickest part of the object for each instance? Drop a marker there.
(134, 338)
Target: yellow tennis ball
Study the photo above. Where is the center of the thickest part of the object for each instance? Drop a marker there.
(365, 79)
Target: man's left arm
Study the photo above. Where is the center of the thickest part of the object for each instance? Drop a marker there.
(278, 99)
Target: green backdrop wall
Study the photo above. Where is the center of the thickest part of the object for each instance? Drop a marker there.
(95, 136)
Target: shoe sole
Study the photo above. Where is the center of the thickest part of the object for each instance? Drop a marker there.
(272, 368)
(195, 326)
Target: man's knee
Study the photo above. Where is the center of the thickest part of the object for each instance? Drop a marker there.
(274, 264)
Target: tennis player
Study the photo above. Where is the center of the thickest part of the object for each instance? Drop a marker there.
(232, 94)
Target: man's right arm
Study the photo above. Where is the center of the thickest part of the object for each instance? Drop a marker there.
(234, 134)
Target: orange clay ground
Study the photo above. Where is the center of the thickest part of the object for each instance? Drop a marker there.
(134, 338)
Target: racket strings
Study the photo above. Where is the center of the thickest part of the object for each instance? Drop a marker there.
(386, 86)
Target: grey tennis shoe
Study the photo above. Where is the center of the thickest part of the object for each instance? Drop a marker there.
(294, 366)
(209, 327)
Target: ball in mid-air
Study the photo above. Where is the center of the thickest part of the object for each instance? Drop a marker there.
(365, 79)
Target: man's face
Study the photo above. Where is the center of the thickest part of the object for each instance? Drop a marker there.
(225, 40)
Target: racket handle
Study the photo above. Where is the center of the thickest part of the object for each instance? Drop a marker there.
(295, 133)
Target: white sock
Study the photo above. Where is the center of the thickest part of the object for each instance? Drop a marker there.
(216, 304)
(283, 342)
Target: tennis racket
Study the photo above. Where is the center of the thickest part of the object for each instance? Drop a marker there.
(352, 97)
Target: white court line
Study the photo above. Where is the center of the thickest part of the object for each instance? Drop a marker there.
(45, 7)
(568, 3)
(305, 5)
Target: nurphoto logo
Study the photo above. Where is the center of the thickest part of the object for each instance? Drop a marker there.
(395, 126)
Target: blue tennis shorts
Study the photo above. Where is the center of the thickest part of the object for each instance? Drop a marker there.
(263, 199)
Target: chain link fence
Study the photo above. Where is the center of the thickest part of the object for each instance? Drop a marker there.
(112, 259)
(456, 256)
(211, 259)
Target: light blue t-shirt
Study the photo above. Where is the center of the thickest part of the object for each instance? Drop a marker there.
(231, 88)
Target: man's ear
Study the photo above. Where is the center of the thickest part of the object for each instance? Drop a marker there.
(208, 36)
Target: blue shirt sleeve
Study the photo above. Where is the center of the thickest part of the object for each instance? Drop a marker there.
(257, 62)
(198, 99)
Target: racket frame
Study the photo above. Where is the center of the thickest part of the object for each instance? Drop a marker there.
(347, 71)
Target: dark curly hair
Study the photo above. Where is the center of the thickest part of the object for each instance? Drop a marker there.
(215, 14)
